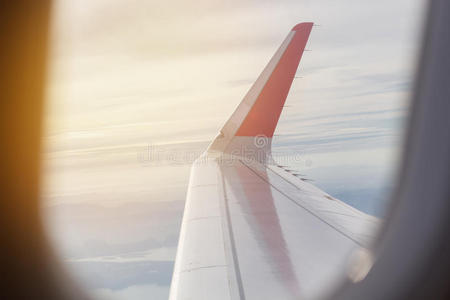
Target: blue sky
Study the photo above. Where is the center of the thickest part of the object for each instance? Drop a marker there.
(129, 75)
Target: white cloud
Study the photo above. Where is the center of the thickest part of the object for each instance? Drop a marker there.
(156, 254)
(134, 292)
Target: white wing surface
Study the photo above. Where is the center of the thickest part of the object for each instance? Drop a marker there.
(252, 230)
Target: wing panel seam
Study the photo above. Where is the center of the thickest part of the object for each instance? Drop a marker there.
(229, 229)
(298, 204)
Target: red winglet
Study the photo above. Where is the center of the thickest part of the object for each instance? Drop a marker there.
(263, 116)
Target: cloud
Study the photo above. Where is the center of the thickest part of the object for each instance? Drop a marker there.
(155, 254)
(133, 292)
(117, 276)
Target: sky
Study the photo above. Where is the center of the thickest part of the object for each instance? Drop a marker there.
(137, 89)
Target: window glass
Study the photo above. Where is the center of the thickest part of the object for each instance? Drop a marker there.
(138, 89)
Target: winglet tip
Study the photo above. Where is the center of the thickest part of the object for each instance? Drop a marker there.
(302, 25)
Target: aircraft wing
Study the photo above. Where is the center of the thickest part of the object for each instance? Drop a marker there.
(251, 229)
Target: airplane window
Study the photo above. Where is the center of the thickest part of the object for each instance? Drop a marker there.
(138, 90)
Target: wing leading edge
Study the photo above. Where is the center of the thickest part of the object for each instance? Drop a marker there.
(250, 229)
